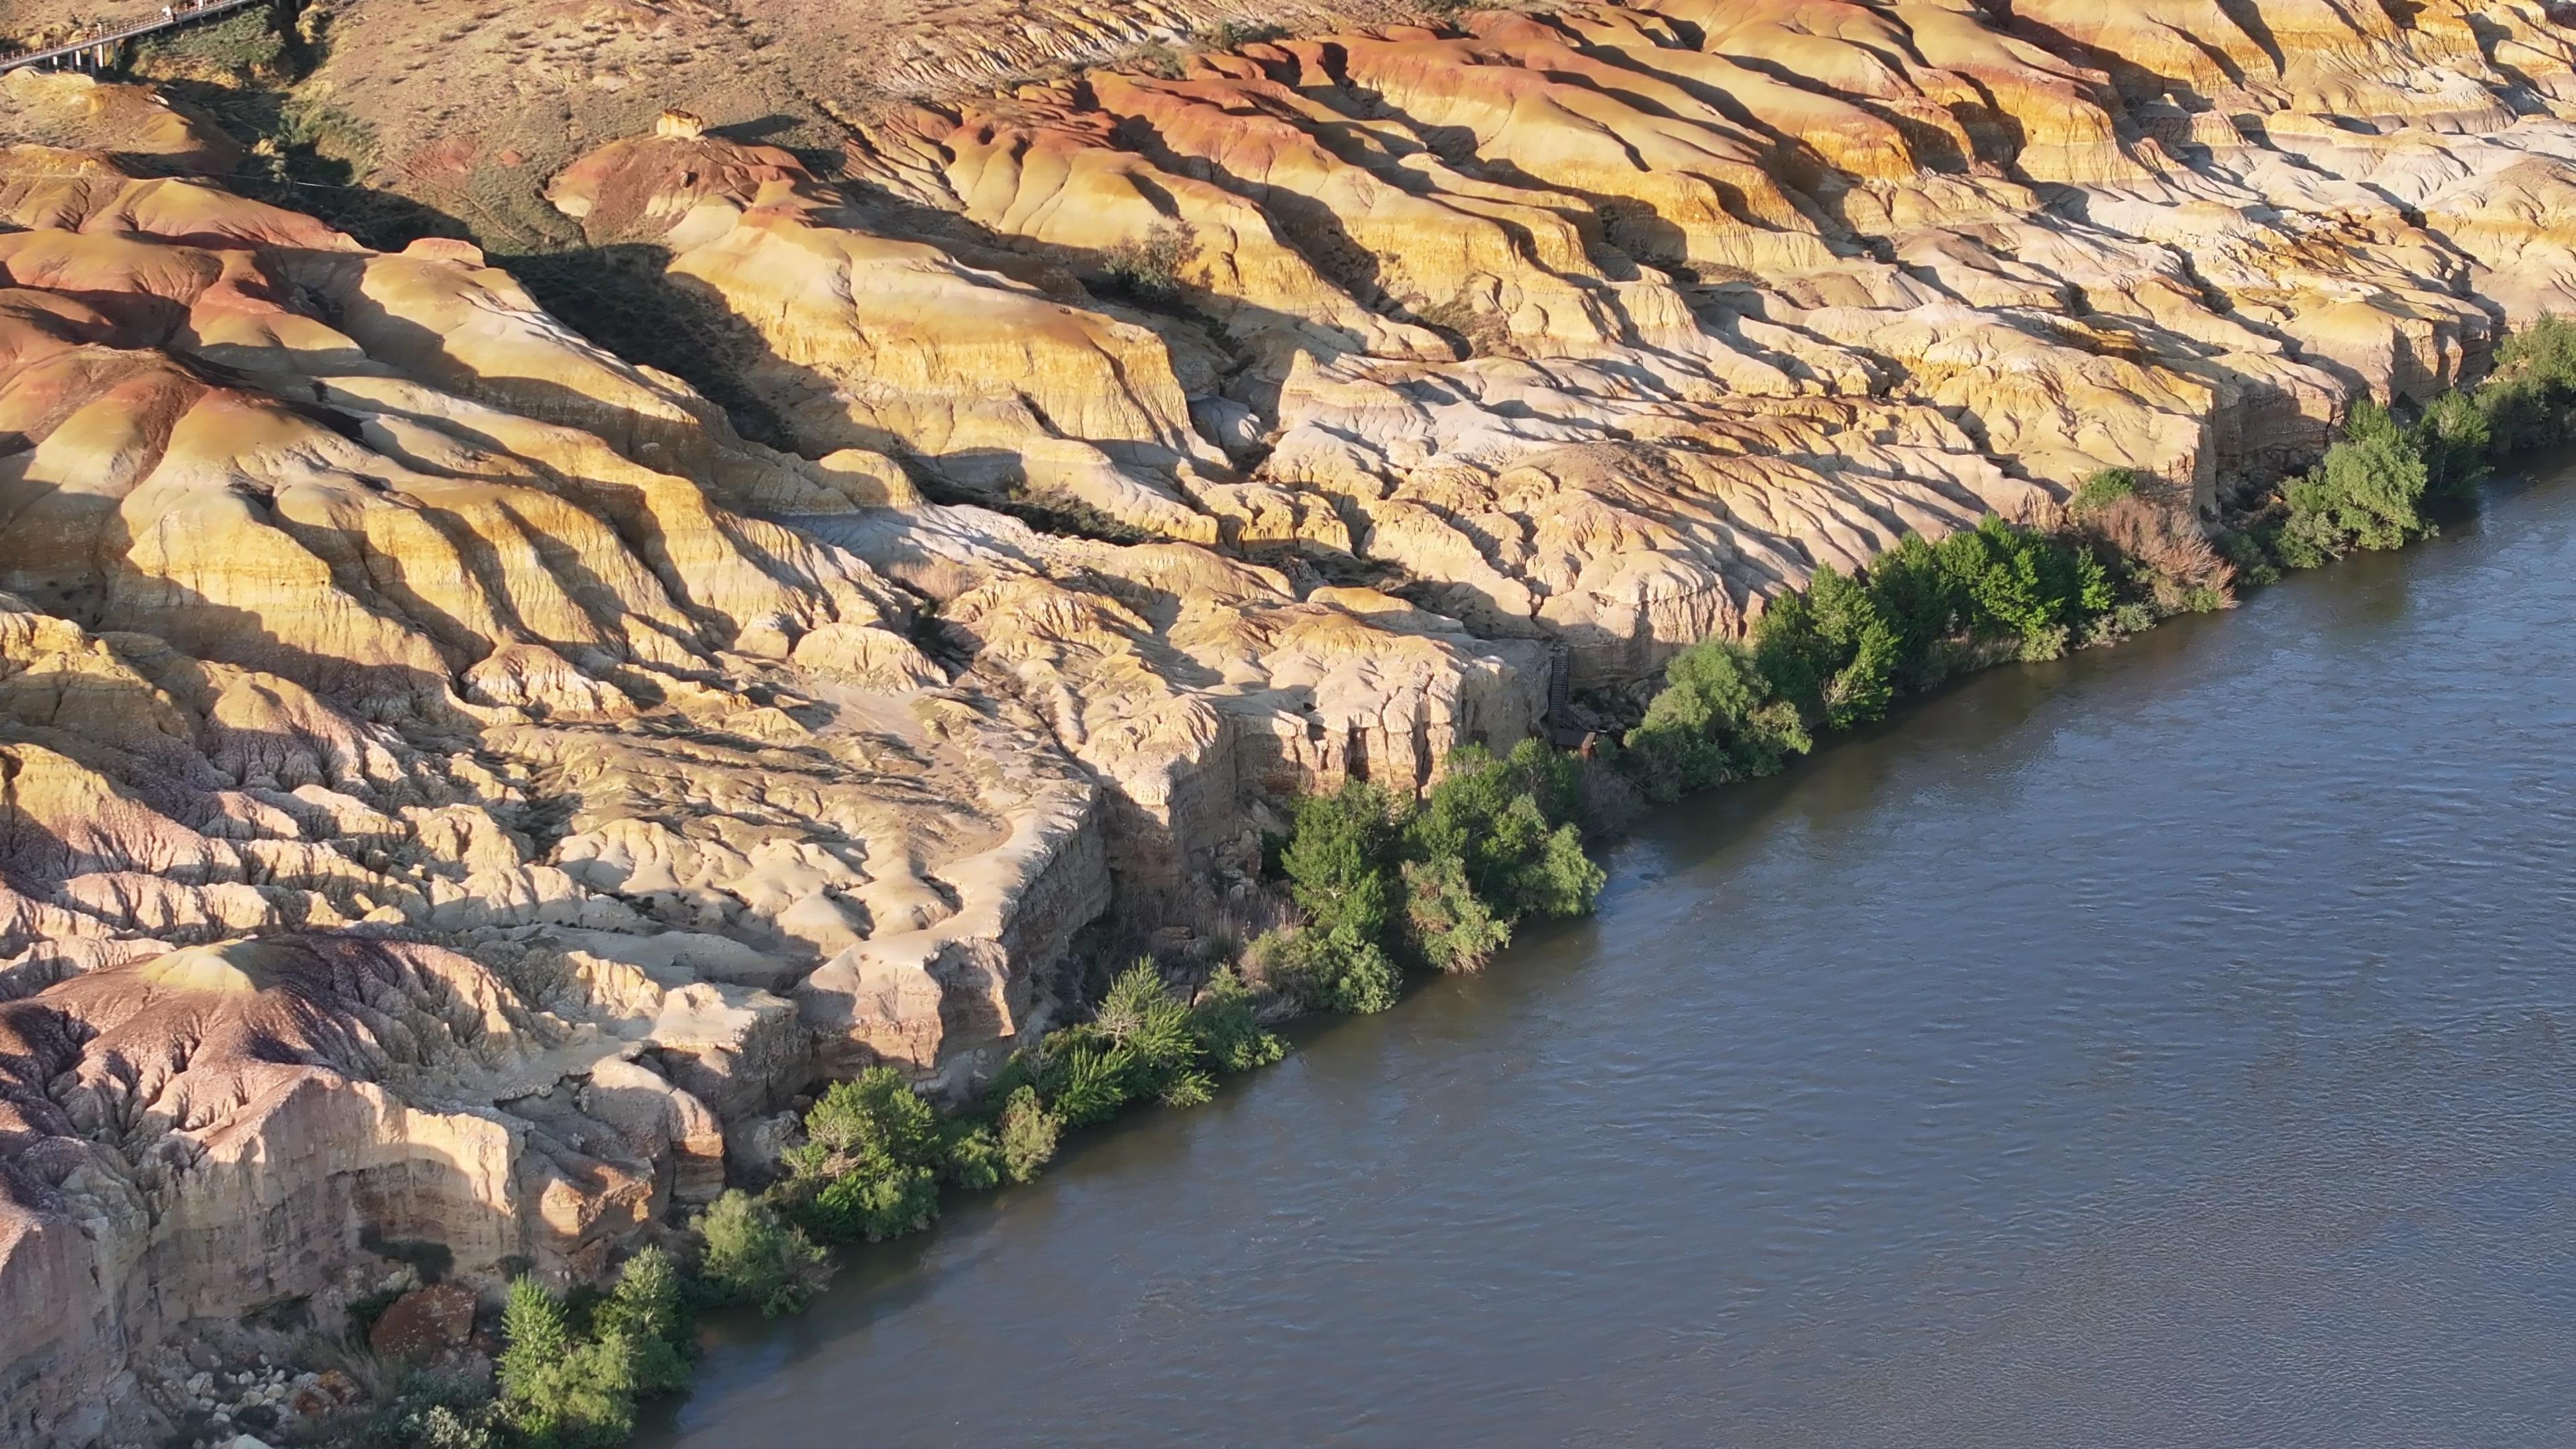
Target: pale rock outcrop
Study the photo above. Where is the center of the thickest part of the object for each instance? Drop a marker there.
(453, 785)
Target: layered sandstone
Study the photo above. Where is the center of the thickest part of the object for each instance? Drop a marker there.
(455, 781)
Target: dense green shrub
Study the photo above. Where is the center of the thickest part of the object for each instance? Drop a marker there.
(1441, 882)
(1714, 721)
(1505, 829)
(2529, 400)
(1447, 922)
(2456, 440)
(1027, 1133)
(2104, 489)
(2367, 493)
(436, 1411)
(756, 1259)
(869, 1165)
(1828, 651)
(1231, 1037)
(2018, 584)
(1922, 606)
(1328, 968)
(1340, 860)
(647, 1314)
(1834, 655)
(562, 1392)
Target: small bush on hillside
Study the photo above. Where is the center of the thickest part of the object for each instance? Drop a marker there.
(2104, 489)
(436, 1411)
(1236, 34)
(1149, 266)
(755, 1259)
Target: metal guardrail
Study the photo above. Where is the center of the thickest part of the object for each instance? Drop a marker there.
(96, 50)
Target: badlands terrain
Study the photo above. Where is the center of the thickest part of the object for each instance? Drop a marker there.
(468, 764)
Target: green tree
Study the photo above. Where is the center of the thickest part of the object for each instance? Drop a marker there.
(1517, 856)
(1340, 860)
(754, 1258)
(2365, 494)
(1448, 921)
(1921, 604)
(560, 1393)
(2455, 440)
(648, 1310)
(1028, 1133)
(1713, 721)
(1231, 1039)
(869, 1165)
(1142, 1017)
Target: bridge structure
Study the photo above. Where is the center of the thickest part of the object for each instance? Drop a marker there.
(98, 52)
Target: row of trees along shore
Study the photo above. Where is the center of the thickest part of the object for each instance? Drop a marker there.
(1385, 886)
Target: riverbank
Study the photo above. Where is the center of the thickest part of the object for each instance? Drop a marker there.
(2158, 1046)
(1385, 886)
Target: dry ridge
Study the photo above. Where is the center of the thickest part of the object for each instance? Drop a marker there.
(456, 786)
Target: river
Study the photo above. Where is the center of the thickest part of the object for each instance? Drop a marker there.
(2170, 1046)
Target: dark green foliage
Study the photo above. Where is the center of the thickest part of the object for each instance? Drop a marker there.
(1828, 651)
(1142, 1019)
(970, 1154)
(1143, 1044)
(2455, 439)
(1447, 921)
(648, 1312)
(1332, 968)
(1715, 721)
(2529, 400)
(1028, 1133)
(1443, 883)
(2017, 584)
(560, 1392)
(237, 49)
(1837, 654)
(2246, 554)
(1502, 831)
(1340, 860)
(1230, 1038)
(2102, 490)
(869, 1166)
(754, 1258)
(2365, 494)
(1922, 606)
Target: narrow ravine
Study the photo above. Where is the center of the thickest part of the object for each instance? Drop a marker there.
(2166, 1046)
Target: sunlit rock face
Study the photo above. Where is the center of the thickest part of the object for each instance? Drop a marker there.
(454, 778)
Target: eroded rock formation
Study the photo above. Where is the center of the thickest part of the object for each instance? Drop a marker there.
(451, 779)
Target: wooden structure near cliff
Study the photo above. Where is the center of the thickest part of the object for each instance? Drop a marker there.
(97, 52)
